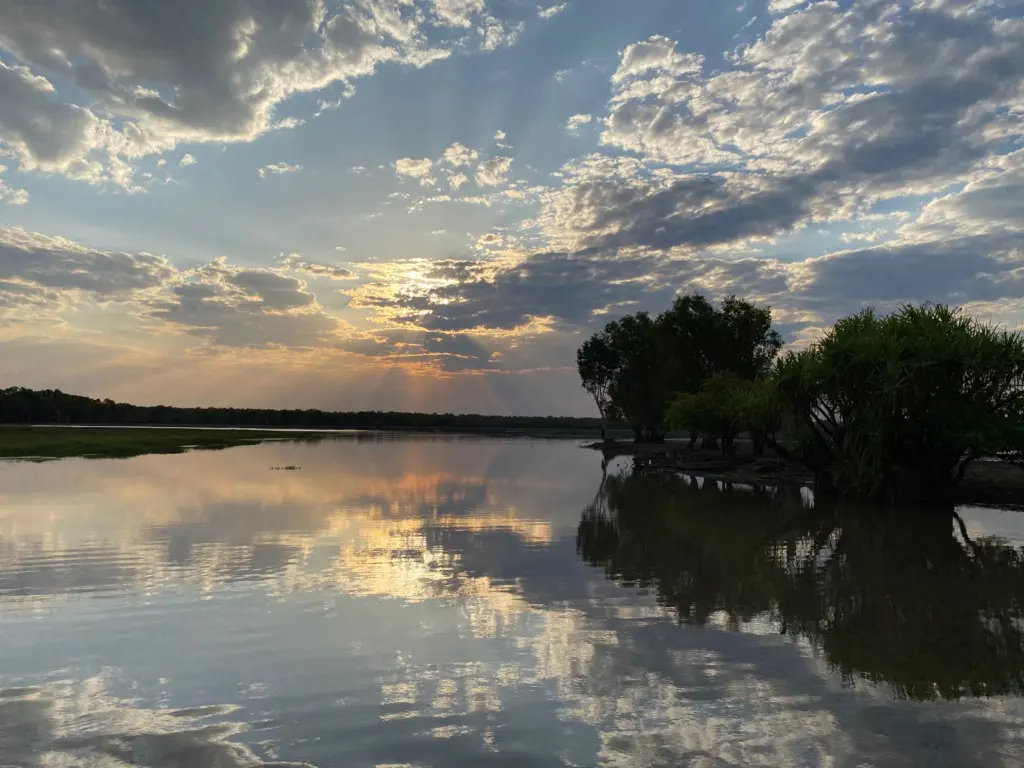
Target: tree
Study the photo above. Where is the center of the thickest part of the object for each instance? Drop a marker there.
(637, 390)
(894, 409)
(725, 406)
(597, 364)
(637, 366)
(746, 344)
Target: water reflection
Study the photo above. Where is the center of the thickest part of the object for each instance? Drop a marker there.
(48, 725)
(907, 599)
(422, 603)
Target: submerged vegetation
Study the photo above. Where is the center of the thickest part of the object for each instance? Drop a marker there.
(909, 601)
(889, 409)
(60, 442)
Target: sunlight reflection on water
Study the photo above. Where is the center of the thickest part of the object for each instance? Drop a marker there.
(412, 601)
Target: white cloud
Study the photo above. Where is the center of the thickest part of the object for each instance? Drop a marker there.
(491, 173)
(458, 13)
(658, 54)
(278, 169)
(459, 155)
(552, 11)
(865, 101)
(288, 124)
(187, 160)
(782, 6)
(497, 34)
(573, 124)
(419, 168)
(10, 195)
(457, 180)
(499, 136)
(295, 263)
(161, 163)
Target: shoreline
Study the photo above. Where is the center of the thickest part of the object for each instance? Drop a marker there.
(986, 482)
(49, 442)
(43, 442)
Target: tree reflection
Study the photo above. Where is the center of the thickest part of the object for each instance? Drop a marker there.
(908, 599)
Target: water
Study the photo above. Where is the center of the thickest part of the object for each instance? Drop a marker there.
(420, 601)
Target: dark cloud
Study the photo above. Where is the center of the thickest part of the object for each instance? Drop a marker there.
(954, 271)
(569, 288)
(40, 130)
(456, 352)
(246, 308)
(32, 264)
(192, 70)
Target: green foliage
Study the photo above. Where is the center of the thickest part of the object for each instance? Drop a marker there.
(894, 408)
(727, 405)
(636, 366)
(58, 442)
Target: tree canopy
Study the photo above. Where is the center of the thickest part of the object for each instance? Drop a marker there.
(894, 408)
(637, 365)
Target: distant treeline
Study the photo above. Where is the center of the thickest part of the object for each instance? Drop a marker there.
(51, 406)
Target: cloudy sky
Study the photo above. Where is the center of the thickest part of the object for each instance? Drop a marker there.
(428, 204)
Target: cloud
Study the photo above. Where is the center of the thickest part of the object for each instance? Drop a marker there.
(783, 6)
(10, 195)
(867, 101)
(278, 169)
(42, 132)
(236, 307)
(217, 74)
(295, 263)
(496, 34)
(186, 161)
(457, 180)
(499, 136)
(459, 155)
(450, 353)
(458, 13)
(658, 54)
(33, 265)
(573, 123)
(491, 173)
(552, 11)
(417, 168)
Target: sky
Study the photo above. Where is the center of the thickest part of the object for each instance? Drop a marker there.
(430, 204)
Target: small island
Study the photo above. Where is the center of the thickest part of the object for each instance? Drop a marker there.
(897, 409)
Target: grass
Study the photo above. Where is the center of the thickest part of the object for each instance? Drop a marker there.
(60, 442)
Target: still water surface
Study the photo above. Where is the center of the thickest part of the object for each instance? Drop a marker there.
(421, 601)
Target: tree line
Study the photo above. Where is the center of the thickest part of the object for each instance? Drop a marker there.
(885, 408)
(51, 406)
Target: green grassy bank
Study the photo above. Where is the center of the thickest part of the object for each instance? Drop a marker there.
(59, 442)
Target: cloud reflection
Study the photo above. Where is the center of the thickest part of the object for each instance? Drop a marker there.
(408, 602)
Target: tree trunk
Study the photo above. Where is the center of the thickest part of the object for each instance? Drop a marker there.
(728, 447)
